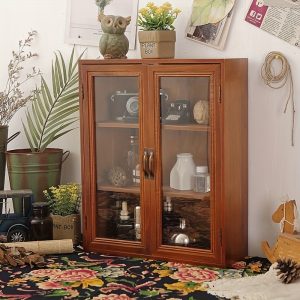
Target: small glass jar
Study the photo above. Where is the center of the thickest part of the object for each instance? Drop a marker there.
(41, 223)
(201, 180)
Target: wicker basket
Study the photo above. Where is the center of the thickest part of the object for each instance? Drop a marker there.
(287, 246)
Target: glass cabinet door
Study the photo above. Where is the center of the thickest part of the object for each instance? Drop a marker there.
(186, 166)
(118, 208)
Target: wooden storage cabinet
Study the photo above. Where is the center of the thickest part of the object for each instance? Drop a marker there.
(136, 117)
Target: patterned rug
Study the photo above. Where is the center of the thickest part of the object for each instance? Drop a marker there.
(82, 275)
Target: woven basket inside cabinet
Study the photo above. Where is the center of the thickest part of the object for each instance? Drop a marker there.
(287, 246)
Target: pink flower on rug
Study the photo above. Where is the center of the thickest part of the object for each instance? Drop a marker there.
(195, 275)
(113, 297)
(239, 265)
(44, 272)
(50, 285)
(75, 275)
(175, 265)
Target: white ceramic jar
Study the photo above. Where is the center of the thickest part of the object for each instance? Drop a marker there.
(181, 176)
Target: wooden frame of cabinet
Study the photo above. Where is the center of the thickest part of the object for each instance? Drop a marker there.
(228, 152)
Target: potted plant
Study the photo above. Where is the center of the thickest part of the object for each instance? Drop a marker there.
(64, 203)
(50, 117)
(157, 36)
(12, 98)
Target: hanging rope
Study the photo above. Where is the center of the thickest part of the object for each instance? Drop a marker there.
(277, 81)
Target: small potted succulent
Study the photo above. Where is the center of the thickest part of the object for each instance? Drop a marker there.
(64, 203)
(157, 34)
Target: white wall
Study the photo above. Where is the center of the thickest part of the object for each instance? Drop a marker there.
(274, 166)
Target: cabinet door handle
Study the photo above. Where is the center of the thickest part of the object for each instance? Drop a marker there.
(151, 163)
(146, 164)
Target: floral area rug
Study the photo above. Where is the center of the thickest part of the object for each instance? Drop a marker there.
(82, 275)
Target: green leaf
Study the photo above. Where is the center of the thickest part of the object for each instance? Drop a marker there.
(63, 66)
(54, 85)
(58, 118)
(71, 62)
(29, 139)
(58, 72)
(210, 11)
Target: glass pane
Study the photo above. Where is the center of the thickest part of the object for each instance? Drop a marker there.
(118, 158)
(186, 200)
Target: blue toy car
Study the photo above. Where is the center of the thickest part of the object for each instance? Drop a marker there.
(15, 226)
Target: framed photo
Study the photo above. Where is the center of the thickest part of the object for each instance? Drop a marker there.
(83, 27)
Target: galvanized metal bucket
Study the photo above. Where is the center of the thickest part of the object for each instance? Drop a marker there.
(35, 170)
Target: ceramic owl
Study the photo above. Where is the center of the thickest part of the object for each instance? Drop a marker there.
(113, 42)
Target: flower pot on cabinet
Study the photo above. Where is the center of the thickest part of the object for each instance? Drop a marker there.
(157, 43)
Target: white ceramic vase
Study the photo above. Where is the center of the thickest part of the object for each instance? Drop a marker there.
(181, 176)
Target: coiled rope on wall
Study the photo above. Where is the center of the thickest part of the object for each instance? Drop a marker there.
(280, 79)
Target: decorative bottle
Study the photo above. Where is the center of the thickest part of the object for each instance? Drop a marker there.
(181, 176)
(201, 180)
(133, 160)
(137, 222)
(41, 223)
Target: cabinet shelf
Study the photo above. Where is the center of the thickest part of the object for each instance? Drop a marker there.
(182, 127)
(111, 124)
(185, 194)
(123, 189)
(167, 191)
(186, 127)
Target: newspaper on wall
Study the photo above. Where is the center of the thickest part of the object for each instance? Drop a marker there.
(283, 22)
(212, 27)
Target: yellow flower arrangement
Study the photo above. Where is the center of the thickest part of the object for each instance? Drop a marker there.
(154, 17)
(64, 199)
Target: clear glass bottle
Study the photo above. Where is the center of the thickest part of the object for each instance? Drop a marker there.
(201, 180)
(133, 160)
(137, 222)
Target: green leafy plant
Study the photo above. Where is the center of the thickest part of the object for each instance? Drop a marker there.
(52, 108)
(154, 17)
(64, 199)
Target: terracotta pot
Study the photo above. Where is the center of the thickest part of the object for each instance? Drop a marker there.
(157, 43)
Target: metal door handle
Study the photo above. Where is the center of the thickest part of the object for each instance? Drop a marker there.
(151, 163)
(146, 163)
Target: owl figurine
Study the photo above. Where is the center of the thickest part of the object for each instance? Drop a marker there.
(113, 42)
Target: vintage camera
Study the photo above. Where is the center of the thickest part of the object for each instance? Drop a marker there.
(179, 112)
(124, 106)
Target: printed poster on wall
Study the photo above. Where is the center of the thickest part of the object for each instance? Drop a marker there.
(210, 21)
(281, 20)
